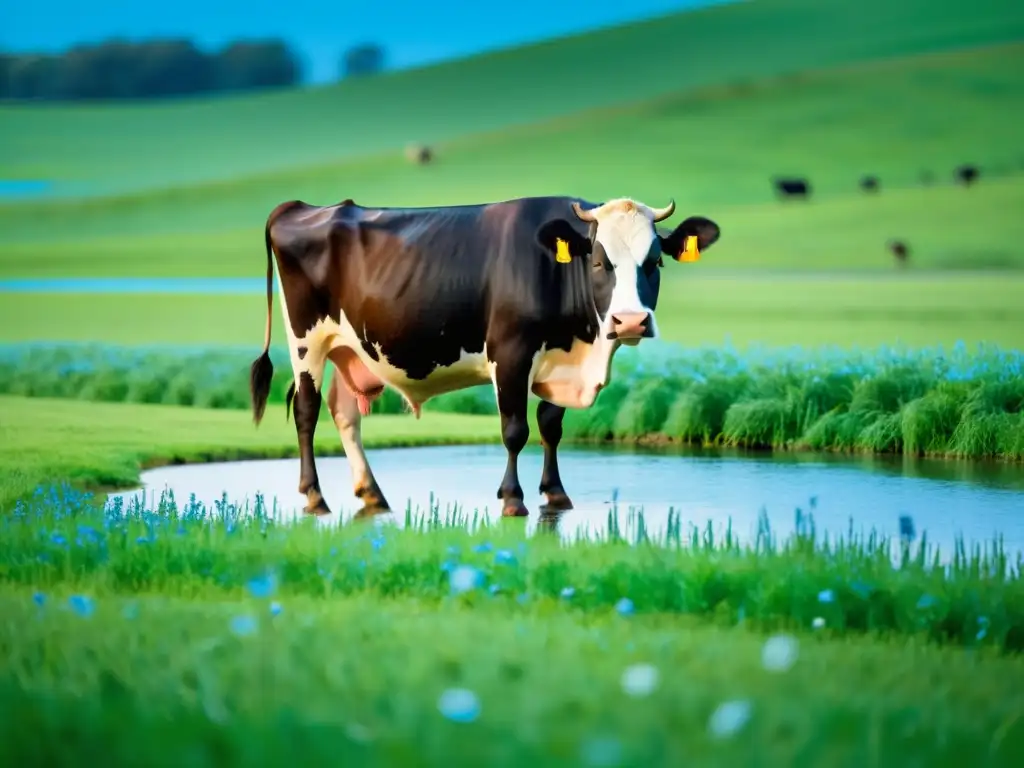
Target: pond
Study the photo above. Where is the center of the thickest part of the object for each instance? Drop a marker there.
(944, 498)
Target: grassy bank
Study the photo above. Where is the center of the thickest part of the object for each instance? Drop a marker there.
(728, 47)
(106, 444)
(595, 653)
(942, 402)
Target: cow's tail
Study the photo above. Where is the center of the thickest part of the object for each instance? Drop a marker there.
(262, 372)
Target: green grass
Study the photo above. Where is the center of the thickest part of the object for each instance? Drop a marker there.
(895, 119)
(336, 645)
(696, 307)
(148, 145)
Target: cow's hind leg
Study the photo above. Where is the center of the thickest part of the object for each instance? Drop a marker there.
(549, 421)
(345, 410)
(307, 410)
(511, 382)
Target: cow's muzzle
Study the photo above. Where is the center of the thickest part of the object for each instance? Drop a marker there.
(631, 326)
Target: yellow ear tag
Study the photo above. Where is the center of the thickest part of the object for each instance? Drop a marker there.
(562, 255)
(690, 251)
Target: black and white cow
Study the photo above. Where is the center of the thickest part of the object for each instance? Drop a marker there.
(532, 295)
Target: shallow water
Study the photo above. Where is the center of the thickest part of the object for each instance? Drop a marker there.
(16, 189)
(944, 498)
(149, 285)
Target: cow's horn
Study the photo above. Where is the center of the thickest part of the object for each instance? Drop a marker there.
(660, 214)
(581, 214)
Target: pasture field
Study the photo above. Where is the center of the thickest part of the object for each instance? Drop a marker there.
(119, 148)
(845, 234)
(714, 153)
(696, 308)
(387, 646)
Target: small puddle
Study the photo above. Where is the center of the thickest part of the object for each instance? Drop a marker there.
(244, 286)
(978, 501)
(18, 189)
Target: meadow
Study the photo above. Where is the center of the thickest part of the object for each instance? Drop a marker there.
(179, 634)
(221, 623)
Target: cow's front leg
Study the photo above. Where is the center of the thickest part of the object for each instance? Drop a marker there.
(307, 410)
(549, 420)
(344, 409)
(511, 384)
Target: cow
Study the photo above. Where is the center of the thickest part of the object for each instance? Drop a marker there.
(531, 294)
(792, 187)
(869, 183)
(966, 174)
(899, 250)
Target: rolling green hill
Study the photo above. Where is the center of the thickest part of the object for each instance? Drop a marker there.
(713, 150)
(121, 148)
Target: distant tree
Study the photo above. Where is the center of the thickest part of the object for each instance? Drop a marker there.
(34, 77)
(362, 60)
(256, 64)
(118, 69)
(6, 61)
(173, 68)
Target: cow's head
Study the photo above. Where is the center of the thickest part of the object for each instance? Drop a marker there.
(626, 259)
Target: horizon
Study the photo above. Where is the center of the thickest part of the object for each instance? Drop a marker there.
(425, 35)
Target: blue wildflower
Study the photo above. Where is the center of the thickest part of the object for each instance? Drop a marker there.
(459, 705)
(262, 586)
(484, 547)
(568, 592)
(82, 605)
(38, 598)
(275, 608)
(624, 607)
(504, 557)
(826, 596)
(465, 578)
(495, 589)
(243, 625)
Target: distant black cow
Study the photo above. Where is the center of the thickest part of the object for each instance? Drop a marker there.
(966, 174)
(792, 187)
(419, 154)
(869, 183)
(900, 251)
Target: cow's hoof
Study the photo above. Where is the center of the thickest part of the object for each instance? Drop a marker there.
(514, 508)
(370, 511)
(557, 502)
(316, 506)
(372, 497)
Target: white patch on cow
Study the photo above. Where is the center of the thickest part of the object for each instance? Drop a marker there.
(573, 379)
(329, 334)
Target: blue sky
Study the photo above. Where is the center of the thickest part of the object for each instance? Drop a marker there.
(413, 32)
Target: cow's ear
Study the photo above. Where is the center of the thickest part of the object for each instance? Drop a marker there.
(675, 245)
(561, 239)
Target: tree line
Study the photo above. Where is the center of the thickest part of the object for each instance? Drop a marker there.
(118, 69)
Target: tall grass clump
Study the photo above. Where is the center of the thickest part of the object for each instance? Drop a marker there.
(202, 377)
(958, 402)
(64, 539)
